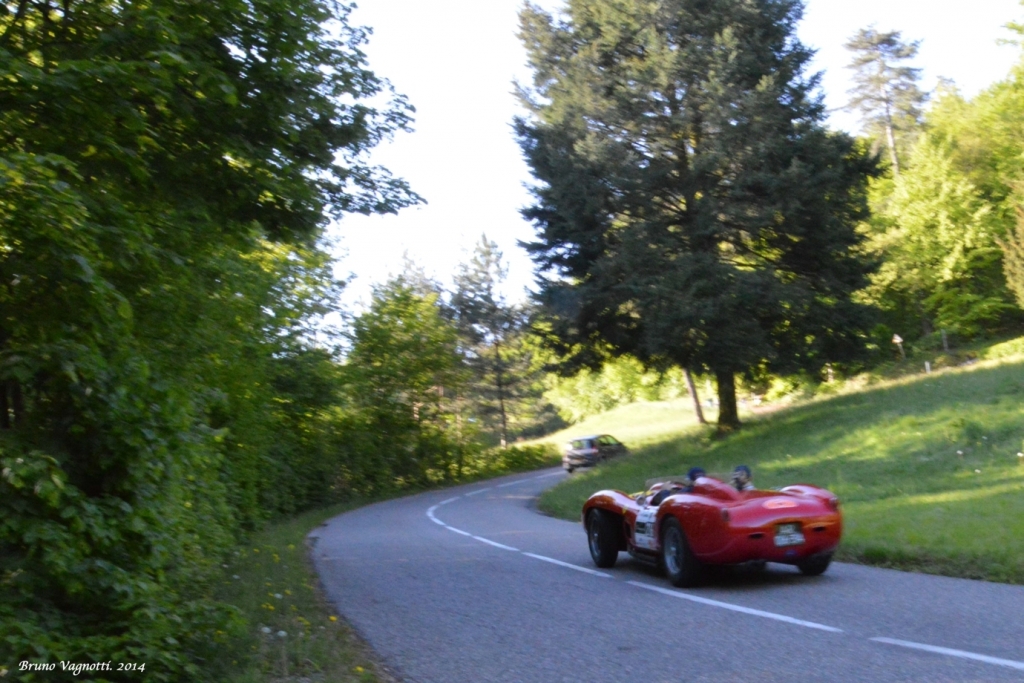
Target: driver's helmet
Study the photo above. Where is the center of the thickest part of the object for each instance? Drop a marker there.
(695, 473)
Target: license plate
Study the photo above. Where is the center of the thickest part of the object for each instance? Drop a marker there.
(788, 534)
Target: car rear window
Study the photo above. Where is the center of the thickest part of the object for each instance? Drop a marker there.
(582, 443)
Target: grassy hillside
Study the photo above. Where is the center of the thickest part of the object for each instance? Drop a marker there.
(927, 467)
(637, 424)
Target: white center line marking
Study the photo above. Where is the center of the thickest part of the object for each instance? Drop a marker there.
(445, 502)
(458, 531)
(735, 608)
(566, 564)
(435, 520)
(512, 483)
(549, 474)
(478, 491)
(495, 543)
(952, 653)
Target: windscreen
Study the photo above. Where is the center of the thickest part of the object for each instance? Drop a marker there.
(679, 479)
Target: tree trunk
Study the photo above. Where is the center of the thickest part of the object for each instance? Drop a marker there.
(501, 396)
(458, 435)
(926, 324)
(893, 157)
(890, 138)
(693, 395)
(728, 415)
(5, 415)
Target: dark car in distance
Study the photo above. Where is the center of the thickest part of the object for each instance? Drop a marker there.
(587, 451)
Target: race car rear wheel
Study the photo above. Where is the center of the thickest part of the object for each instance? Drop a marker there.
(603, 533)
(816, 565)
(681, 565)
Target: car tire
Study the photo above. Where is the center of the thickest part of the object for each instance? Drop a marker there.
(681, 566)
(603, 533)
(568, 470)
(816, 565)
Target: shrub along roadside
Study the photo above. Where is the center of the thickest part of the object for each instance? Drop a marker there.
(928, 468)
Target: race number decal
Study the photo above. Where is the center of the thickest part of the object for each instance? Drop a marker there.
(643, 531)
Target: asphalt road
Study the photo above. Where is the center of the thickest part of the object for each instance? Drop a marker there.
(473, 584)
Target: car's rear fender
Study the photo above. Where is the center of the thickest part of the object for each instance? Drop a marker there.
(701, 519)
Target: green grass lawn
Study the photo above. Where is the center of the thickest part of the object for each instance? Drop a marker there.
(927, 467)
(637, 424)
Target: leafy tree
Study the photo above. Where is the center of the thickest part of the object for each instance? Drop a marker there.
(492, 331)
(986, 144)
(620, 381)
(1013, 259)
(403, 371)
(691, 207)
(945, 234)
(885, 90)
(166, 170)
(937, 240)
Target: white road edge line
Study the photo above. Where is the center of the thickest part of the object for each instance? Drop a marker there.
(458, 531)
(566, 564)
(512, 483)
(735, 608)
(494, 543)
(549, 474)
(952, 653)
(473, 493)
(445, 502)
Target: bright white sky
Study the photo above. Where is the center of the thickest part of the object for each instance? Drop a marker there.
(456, 60)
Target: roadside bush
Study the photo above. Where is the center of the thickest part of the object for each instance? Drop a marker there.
(494, 462)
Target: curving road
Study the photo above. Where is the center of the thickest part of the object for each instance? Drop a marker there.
(473, 584)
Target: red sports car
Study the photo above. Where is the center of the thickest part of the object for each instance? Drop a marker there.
(684, 525)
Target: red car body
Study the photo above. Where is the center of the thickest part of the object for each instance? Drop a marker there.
(720, 525)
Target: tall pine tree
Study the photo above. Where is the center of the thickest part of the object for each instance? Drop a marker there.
(690, 208)
(491, 331)
(885, 89)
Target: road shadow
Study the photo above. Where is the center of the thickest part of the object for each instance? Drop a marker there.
(740, 578)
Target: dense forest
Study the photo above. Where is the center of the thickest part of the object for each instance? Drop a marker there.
(167, 171)
(175, 369)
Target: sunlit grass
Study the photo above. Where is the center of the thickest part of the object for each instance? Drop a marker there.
(927, 466)
(637, 424)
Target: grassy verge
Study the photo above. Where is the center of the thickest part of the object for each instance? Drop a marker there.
(928, 466)
(290, 632)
